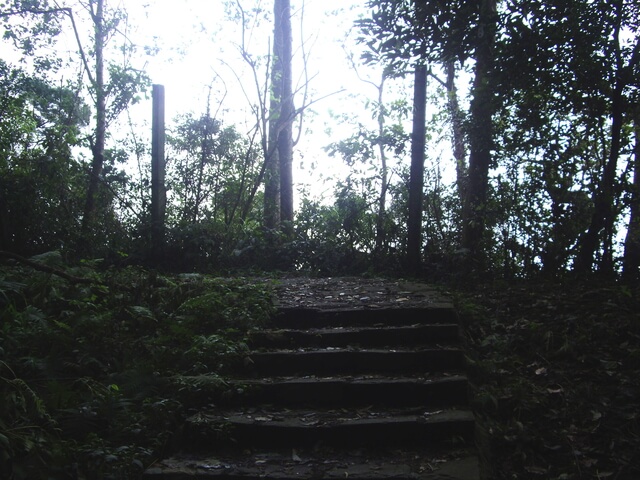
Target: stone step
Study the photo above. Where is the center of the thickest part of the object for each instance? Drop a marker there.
(333, 361)
(322, 463)
(370, 393)
(338, 428)
(353, 391)
(305, 318)
(341, 336)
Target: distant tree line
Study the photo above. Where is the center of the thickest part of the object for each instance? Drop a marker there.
(544, 152)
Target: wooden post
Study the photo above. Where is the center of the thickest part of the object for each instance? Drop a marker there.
(158, 192)
(416, 176)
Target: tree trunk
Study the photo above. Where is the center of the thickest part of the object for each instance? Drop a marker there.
(101, 121)
(278, 190)
(283, 44)
(631, 261)
(481, 141)
(271, 161)
(416, 177)
(384, 171)
(457, 130)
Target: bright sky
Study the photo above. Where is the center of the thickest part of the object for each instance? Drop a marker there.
(199, 47)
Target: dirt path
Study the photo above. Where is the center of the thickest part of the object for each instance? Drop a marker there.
(355, 292)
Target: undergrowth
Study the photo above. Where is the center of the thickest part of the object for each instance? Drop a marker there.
(557, 375)
(91, 371)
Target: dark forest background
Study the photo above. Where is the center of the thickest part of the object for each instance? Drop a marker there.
(111, 316)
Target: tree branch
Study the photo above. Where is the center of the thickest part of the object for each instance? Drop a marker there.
(65, 10)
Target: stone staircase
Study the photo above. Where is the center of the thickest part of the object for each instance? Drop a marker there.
(351, 393)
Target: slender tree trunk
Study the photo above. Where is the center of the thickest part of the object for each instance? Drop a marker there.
(457, 130)
(481, 141)
(278, 194)
(257, 181)
(285, 135)
(101, 120)
(272, 161)
(384, 171)
(416, 177)
(631, 261)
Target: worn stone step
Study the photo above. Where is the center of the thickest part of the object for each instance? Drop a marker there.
(353, 390)
(343, 361)
(365, 393)
(341, 336)
(323, 463)
(304, 318)
(339, 427)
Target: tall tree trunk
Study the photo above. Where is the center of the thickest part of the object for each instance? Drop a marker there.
(101, 119)
(481, 141)
(416, 176)
(631, 261)
(457, 130)
(384, 170)
(278, 190)
(271, 161)
(283, 44)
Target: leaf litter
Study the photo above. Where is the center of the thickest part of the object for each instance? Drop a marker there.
(556, 370)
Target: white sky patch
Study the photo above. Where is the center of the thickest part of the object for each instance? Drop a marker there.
(200, 48)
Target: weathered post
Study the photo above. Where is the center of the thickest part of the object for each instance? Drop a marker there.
(158, 192)
(416, 176)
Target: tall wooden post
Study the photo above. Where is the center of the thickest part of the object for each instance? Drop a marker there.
(416, 176)
(158, 192)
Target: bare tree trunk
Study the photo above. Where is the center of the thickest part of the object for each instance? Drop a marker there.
(457, 130)
(384, 170)
(278, 207)
(283, 45)
(273, 163)
(481, 141)
(416, 177)
(101, 119)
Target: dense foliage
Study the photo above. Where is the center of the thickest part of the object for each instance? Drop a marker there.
(550, 188)
(97, 366)
(557, 85)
